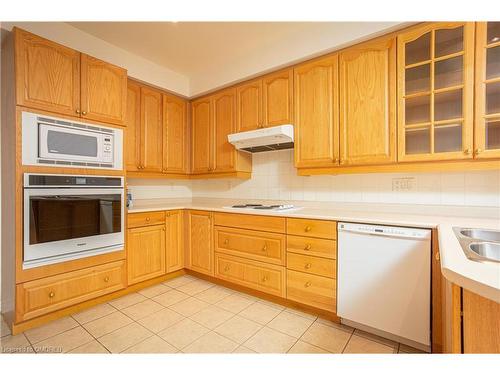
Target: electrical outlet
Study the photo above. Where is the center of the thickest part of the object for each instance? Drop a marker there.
(404, 184)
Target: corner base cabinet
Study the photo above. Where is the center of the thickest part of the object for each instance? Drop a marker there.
(200, 250)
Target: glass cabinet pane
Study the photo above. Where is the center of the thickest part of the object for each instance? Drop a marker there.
(448, 41)
(493, 32)
(493, 98)
(448, 72)
(448, 105)
(418, 79)
(418, 110)
(418, 50)
(493, 134)
(448, 138)
(493, 62)
(417, 141)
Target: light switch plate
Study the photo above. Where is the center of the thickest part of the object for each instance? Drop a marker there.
(404, 184)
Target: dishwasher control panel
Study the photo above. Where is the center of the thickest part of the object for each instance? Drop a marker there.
(384, 230)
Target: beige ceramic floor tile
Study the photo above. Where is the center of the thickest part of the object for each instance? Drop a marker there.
(45, 331)
(64, 342)
(360, 345)
(183, 333)
(301, 313)
(125, 337)
(211, 317)
(15, 344)
(154, 290)
(326, 337)
(93, 347)
(178, 281)
(234, 303)
(211, 343)
(142, 309)
(272, 304)
(153, 344)
(268, 340)
(243, 350)
(128, 300)
(329, 323)
(260, 313)
(195, 287)
(291, 324)
(107, 324)
(94, 313)
(189, 306)
(238, 329)
(214, 295)
(160, 320)
(170, 298)
(302, 347)
(4, 328)
(380, 340)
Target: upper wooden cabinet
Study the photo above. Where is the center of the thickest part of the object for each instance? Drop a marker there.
(224, 115)
(174, 134)
(132, 150)
(368, 103)
(202, 136)
(58, 79)
(316, 113)
(151, 130)
(435, 92)
(200, 256)
(487, 121)
(264, 102)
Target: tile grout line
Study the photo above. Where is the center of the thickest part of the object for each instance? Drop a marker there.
(303, 333)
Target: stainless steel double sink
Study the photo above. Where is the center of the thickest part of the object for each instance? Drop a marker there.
(479, 244)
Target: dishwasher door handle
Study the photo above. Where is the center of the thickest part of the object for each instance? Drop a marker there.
(383, 234)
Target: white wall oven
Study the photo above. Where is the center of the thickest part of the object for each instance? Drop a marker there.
(71, 217)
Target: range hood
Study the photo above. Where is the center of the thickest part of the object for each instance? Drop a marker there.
(266, 139)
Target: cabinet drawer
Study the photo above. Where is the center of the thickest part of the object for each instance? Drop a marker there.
(145, 218)
(42, 296)
(266, 278)
(262, 223)
(312, 290)
(314, 265)
(312, 246)
(262, 246)
(312, 228)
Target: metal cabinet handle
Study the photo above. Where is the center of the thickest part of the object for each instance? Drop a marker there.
(477, 151)
(226, 268)
(77, 111)
(264, 248)
(84, 113)
(52, 295)
(264, 279)
(308, 284)
(467, 151)
(308, 247)
(308, 228)
(106, 279)
(307, 266)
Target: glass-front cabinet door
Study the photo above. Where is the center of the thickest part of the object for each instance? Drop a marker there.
(487, 126)
(435, 88)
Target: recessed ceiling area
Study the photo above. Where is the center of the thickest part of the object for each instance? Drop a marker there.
(216, 54)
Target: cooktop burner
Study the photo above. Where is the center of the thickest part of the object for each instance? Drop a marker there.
(256, 206)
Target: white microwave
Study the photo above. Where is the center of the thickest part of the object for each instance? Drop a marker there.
(53, 141)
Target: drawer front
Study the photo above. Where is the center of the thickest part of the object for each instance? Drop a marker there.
(312, 290)
(312, 228)
(254, 222)
(266, 278)
(42, 296)
(312, 246)
(145, 218)
(261, 246)
(314, 265)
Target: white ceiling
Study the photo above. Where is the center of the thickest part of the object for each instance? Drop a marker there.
(215, 54)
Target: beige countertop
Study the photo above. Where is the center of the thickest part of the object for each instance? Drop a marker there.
(482, 278)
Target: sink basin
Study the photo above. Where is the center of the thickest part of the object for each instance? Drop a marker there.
(481, 234)
(487, 250)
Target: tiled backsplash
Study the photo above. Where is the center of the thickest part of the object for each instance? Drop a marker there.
(275, 177)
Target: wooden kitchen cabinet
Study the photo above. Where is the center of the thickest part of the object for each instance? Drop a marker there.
(316, 113)
(202, 136)
(368, 103)
(151, 130)
(249, 106)
(224, 113)
(175, 240)
(487, 121)
(435, 92)
(174, 134)
(132, 142)
(200, 257)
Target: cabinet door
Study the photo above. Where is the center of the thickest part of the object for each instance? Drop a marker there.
(133, 130)
(201, 252)
(151, 130)
(435, 83)
(103, 91)
(145, 253)
(277, 98)
(487, 124)
(175, 240)
(368, 103)
(47, 74)
(201, 122)
(316, 113)
(224, 106)
(174, 134)
(248, 106)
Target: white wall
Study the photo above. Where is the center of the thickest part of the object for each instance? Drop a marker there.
(137, 66)
(155, 188)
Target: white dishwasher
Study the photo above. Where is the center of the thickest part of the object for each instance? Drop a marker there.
(383, 281)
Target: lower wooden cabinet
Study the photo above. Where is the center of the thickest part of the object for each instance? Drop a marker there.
(175, 240)
(200, 255)
(312, 290)
(39, 297)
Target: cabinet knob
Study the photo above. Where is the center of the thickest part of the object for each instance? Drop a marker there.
(226, 268)
(77, 111)
(264, 248)
(226, 241)
(147, 219)
(342, 161)
(264, 279)
(308, 284)
(307, 266)
(106, 279)
(477, 151)
(52, 295)
(467, 151)
(308, 228)
(437, 256)
(308, 247)
(84, 113)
